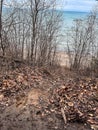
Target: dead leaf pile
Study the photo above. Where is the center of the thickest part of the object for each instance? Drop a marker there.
(20, 81)
(13, 82)
(79, 100)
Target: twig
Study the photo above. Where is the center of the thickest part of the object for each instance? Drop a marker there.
(63, 115)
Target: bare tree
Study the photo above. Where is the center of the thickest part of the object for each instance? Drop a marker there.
(82, 35)
(30, 30)
(1, 6)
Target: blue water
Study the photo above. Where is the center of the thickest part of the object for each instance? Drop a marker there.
(68, 21)
(70, 16)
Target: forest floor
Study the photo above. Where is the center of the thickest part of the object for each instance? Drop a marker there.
(43, 99)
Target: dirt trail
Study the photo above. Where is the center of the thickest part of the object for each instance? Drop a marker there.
(31, 112)
(36, 95)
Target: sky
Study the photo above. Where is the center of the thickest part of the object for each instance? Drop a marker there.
(76, 5)
(71, 5)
